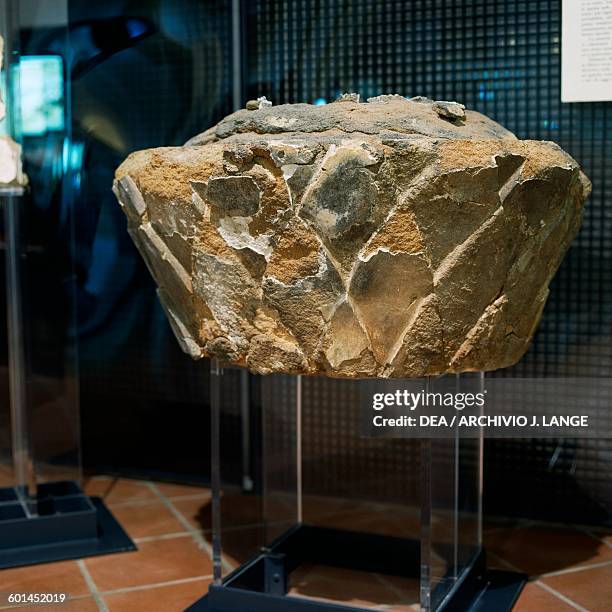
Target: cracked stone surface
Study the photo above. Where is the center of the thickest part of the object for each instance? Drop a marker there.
(393, 238)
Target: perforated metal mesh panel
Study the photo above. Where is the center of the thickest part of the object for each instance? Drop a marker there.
(502, 58)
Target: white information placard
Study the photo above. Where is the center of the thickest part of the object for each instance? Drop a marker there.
(586, 51)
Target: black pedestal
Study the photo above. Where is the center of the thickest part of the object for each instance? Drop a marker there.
(261, 584)
(67, 524)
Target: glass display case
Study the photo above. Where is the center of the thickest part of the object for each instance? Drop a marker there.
(44, 513)
(320, 521)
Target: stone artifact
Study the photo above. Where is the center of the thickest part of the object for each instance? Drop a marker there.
(11, 172)
(393, 238)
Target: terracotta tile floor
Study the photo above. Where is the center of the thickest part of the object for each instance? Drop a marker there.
(570, 568)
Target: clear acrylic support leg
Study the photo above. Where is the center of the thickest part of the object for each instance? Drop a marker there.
(23, 466)
(481, 376)
(426, 503)
(451, 504)
(281, 453)
(298, 447)
(245, 416)
(216, 371)
(456, 478)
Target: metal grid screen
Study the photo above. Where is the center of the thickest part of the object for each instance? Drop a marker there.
(502, 58)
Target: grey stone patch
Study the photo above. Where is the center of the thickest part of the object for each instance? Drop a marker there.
(449, 110)
(184, 337)
(130, 197)
(348, 97)
(507, 164)
(166, 267)
(421, 99)
(283, 152)
(508, 173)
(347, 339)
(261, 102)
(236, 232)
(386, 98)
(229, 291)
(198, 204)
(449, 208)
(230, 168)
(233, 195)
(297, 178)
(385, 291)
(541, 199)
(253, 261)
(222, 348)
(307, 121)
(199, 188)
(422, 348)
(301, 305)
(374, 155)
(238, 155)
(491, 250)
(267, 355)
(490, 326)
(340, 198)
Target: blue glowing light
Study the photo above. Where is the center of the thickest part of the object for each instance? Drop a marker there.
(320, 102)
(135, 27)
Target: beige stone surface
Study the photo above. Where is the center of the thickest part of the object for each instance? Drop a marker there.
(392, 238)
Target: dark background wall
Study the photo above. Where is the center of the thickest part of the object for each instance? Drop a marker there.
(143, 401)
(502, 58)
(155, 72)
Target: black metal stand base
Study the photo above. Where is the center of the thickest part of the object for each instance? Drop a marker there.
(487, 591)
(261, 585)
(60, 523)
